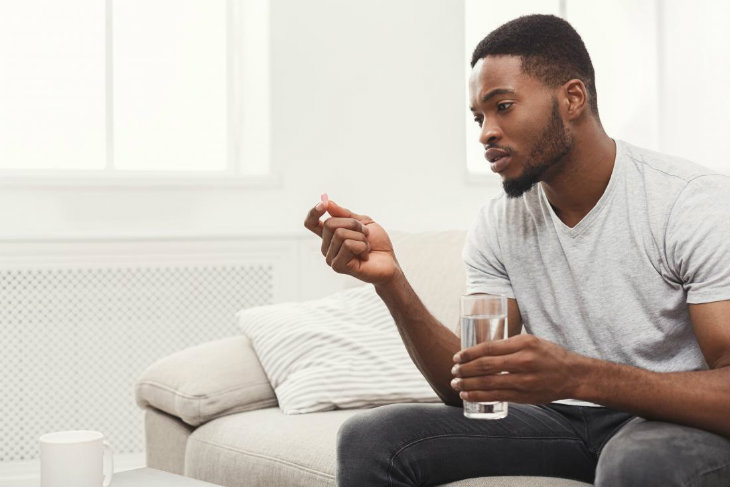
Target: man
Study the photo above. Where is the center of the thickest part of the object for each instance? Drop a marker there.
(615, 259)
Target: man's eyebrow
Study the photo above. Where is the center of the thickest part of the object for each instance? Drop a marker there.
(497, 91)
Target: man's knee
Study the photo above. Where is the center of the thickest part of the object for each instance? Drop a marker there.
(628, 462)
(364, 443)
(352, 437)
(649, 453)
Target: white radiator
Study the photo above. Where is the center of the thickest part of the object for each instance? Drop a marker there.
(80, 321)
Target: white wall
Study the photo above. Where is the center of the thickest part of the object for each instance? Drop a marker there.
(367, 105)
(695, 121)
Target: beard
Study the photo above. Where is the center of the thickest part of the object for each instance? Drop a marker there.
(548, 150)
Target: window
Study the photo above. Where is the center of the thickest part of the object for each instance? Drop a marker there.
(134, 88)
(659, 65)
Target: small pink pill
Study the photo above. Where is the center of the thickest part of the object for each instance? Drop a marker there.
(325, 198)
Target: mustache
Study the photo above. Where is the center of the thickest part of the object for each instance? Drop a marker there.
(508, 149)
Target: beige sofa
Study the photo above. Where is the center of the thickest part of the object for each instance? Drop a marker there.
(211, 414)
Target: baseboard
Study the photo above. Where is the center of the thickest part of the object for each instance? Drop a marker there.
(28, 474)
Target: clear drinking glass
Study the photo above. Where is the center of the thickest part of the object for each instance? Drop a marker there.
(483, 317)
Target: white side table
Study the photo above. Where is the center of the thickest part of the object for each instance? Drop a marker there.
(150, 477)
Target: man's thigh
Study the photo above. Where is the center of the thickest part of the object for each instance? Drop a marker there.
(431, 444)
(650, 453)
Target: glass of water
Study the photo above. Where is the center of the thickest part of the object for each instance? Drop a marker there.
(483, 318)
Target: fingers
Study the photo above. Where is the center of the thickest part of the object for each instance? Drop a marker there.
(509, 395)
(332, 225)
(504, 387)
(344, 235)
(487, 365)
(345, 241)
(347, 256)
(312, 221)
(336, 210)
(496, 347)
(497, 356)
(485, 383)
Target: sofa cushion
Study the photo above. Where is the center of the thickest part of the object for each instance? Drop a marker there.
(206, 381)
(165, 440)
(266, 447)
(340, 352)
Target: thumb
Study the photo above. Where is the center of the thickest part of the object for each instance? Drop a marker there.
(338, 211)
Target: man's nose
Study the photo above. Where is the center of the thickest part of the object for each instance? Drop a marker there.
(490, 134)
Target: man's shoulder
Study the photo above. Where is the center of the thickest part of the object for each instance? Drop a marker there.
(664, 180)
(658, 166)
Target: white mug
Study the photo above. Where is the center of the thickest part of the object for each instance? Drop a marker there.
(75, 458)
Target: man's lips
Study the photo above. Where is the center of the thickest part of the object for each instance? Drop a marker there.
(498, 159)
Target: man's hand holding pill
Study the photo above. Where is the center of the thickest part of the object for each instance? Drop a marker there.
(353, 244)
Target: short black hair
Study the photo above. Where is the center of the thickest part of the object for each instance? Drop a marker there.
(550, 48)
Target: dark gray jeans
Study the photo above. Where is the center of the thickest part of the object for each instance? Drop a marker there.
(432, 444)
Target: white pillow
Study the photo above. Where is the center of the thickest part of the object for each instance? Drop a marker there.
(340, 352)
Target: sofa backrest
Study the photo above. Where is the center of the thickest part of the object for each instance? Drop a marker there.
(433, 265)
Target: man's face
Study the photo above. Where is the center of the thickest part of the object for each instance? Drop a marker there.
(522, 129)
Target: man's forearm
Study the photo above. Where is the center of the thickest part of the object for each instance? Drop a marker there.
(430, 344)
(700, 399)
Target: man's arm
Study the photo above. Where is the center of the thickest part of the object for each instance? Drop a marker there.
(700, 399)
(541, 371)
(356, 245)
(430, 344)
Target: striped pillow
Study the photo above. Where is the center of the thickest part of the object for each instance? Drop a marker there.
(340, 352)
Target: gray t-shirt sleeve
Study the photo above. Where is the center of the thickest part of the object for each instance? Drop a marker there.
(697, 240)
(485, 271)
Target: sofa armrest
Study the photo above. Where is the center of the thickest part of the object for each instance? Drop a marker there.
(206, 381)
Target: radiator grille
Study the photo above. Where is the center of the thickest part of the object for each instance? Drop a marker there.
(75, 340)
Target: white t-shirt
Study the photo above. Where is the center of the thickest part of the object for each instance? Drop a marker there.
(617, 285)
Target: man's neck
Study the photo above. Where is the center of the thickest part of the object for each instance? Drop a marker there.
(577, 184)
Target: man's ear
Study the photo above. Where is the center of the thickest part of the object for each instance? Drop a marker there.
(575, 99)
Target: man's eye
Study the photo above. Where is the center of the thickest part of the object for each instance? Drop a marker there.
(478, 121)
(503, 106)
